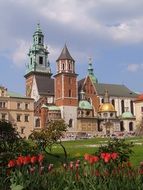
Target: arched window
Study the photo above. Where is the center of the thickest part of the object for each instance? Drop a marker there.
(102, 100)
(70, 122)
(132, 107)
(122, 106)
(131, 126)
(63, 66)
(122, 126)
(113, 102)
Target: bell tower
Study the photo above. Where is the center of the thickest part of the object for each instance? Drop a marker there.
(38, 63)
(66, 95)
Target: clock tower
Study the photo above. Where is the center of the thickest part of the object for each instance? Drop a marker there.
(38, 64)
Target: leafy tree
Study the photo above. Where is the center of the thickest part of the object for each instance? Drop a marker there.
(8, 137)
(11, 144)
(50, 135)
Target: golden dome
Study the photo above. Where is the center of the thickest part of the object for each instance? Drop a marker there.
(106, 107)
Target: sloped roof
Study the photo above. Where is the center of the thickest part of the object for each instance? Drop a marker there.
(139, 98)
(65, 54)
(16, 95)
(45, 85)
(117, 90)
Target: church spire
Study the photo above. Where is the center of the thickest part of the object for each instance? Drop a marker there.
(65, 62)
(90, 72)
(65, 54)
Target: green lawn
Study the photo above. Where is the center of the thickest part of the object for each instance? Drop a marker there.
(76, 149)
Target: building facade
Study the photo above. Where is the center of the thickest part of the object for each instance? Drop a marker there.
(81, 103)
(17, 109)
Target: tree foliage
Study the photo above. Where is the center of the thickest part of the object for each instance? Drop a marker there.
(8, 136)
(50, 135)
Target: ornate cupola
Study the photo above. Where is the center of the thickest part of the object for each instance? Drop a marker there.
(106, 106)
(38, 55)
(38, 66)
(90, 72)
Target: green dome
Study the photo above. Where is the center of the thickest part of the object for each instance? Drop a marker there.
(51, 108)
(84, 104)
(127, 115)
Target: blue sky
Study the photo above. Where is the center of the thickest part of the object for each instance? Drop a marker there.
(109, 31)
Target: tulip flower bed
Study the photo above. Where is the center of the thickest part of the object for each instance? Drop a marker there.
(109, 168)
(94, 172)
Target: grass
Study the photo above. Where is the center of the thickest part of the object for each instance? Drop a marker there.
(76, 149)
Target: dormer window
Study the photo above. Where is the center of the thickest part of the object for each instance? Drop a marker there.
(41, 60)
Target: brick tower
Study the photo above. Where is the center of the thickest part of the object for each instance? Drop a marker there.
(66, 95)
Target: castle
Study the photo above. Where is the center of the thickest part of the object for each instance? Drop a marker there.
(87, 105)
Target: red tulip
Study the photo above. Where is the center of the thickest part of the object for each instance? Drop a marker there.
(114, 155)
(32, 169)
(93, 159)
(65, 166)
(76, 165)
(78, 161)
(11, 163)
(33, 159)
(20, 160)
(50, 167)
(71, 165)
(87, 156)
(106, 157)
(26, 160)
(40, 158)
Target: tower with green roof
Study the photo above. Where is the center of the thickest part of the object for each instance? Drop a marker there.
(38, 63)
(91, 73)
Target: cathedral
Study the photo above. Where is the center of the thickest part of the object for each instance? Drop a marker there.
(86, 105)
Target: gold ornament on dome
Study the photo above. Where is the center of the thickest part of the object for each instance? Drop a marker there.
(107, 107)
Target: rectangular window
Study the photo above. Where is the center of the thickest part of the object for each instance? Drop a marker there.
(22, 130)
(70, 80)
(26, 119)
(69, 93)
(40, 60)
(3, 116)
(18, 117)
(31, 60)
(26, 106)
(18, 106)
(2, 104)
(40, 41)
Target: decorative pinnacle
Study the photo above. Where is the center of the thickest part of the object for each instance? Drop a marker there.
(38, 29)
(90, 60)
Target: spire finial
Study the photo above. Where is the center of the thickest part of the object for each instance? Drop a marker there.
(106, 96)
(90, 60)
(38, 28)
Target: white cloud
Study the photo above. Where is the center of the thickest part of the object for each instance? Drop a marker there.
(19, 56)
(134, 67)
(128, 32)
